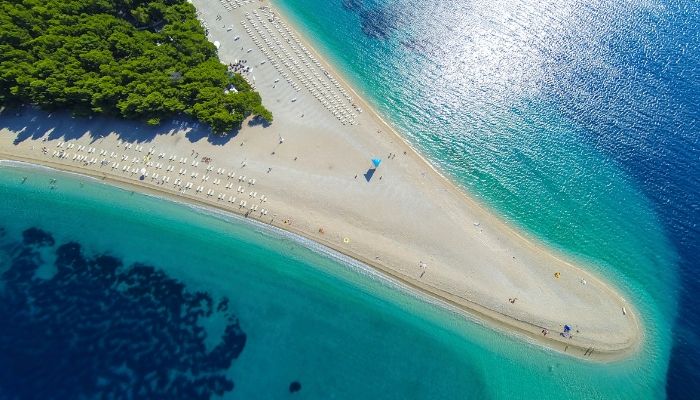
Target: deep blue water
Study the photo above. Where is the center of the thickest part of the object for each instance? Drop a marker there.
(647, 120)
(660, 146)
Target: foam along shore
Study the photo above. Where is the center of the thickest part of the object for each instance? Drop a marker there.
(311, 173)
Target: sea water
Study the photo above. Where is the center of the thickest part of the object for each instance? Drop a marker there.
(577, 121)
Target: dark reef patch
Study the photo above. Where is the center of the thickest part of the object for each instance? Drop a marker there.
(99, 329)
(378, 23)
(352, 5)
(35, 236)
(294, 387)
(378, 20)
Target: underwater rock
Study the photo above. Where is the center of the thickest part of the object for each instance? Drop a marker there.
(100, 329)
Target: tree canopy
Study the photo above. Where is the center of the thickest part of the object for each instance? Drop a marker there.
(137, 59)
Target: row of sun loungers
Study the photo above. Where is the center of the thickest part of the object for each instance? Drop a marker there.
(274, 38)
(231, 5)
(129, 164)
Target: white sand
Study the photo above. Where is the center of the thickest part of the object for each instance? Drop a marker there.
(407, 214)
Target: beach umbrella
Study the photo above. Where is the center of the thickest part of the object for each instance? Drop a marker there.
(376, 162)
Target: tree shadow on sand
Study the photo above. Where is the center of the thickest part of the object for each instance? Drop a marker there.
(258, 121)
(32, 123)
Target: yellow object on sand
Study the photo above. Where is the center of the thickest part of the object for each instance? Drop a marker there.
(557, 274)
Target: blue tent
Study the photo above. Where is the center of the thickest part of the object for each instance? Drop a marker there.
(376, 162)
(567, 328)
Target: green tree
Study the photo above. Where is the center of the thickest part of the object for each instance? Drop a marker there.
(139, 59)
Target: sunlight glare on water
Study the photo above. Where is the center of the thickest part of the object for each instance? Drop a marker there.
(575, 120)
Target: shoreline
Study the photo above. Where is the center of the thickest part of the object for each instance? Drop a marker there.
(469, 197)
(416, 213)
(475, 312)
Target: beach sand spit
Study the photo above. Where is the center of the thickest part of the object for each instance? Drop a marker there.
(311, 173)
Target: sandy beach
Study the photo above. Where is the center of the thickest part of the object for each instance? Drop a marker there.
(310, 172)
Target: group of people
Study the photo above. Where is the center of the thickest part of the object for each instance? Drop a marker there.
(205, 160)
(239, 66)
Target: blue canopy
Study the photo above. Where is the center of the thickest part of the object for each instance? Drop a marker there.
(376, 162)
(567, 328)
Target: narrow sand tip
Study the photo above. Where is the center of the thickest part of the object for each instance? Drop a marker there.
(402, 218)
